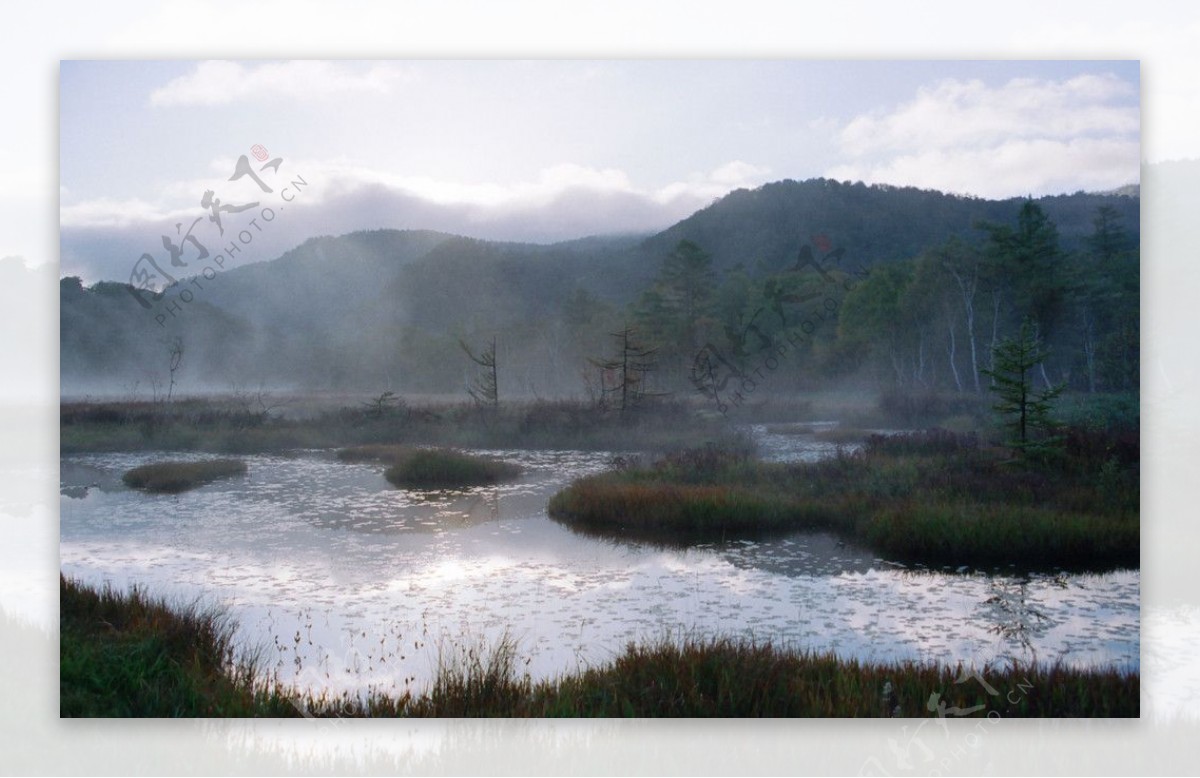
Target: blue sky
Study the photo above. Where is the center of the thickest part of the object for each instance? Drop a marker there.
(556, 149)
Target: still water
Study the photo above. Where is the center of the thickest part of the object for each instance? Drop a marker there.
(346, 583)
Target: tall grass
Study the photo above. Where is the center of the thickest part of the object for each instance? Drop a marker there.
(175, 477)
(933, 498)
(130, 655)
(127, 654)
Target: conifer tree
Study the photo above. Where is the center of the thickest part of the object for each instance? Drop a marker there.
(1033, 433)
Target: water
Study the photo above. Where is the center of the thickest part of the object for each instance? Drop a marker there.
(346, 582)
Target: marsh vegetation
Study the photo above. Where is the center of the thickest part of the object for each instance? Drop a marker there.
(174, 477)
(126, 654)
(933, 498)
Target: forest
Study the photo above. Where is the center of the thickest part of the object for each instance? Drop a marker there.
(792, 287)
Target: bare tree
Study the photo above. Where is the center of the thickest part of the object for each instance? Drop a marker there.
(175, 352)
(484, 390)
(155, 381)
(629, 368)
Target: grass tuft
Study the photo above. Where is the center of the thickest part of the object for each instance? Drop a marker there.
(175, 477)
(444, 469)
(431, 468)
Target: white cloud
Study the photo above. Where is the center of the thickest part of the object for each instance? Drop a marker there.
(560, 202)
(1009, 169)
(738, 173)
(217, 82)
(339, 178)
(1025, 136)
(955, 113)
(110, 212)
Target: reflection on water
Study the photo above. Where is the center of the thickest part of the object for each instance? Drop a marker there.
(350, 582)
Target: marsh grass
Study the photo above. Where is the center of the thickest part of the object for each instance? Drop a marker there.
(933, 498)
(216, 425)
(175, 477)
(131, 655)
(429, 468)
(127, 654)
(740, 678)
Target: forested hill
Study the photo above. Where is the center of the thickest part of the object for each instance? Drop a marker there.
(387, 308)
(872, 223)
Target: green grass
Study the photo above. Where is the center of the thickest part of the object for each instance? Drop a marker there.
(126, 654)
(175, 477)
(932, 498)
(443, 469)
(130, 655)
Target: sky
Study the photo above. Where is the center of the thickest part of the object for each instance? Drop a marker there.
(548, 150)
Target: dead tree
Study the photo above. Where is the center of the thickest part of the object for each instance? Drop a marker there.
(630, 369)
(485, 389)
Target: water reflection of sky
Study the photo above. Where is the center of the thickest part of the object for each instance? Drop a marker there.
(365, 584)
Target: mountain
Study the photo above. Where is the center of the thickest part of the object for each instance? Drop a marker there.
(387, 308)
(872, 223)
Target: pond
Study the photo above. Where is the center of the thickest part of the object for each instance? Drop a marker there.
(348, 583)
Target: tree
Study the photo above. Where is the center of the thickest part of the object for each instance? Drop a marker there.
(629, 369)
(962, 263)
(674, 312)
(872, 320)
(1026, 265)
(484, 390)
(1032, 431)
(175, 354)
(381, 405)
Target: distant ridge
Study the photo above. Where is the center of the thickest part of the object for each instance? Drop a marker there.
(352, 311)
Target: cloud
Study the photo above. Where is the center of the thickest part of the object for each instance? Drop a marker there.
(219, 82)
(1011, 169)
(109, 212)
(101, 238)
(738, 173)
(1027, 136)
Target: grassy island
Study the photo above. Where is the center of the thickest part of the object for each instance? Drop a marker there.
(431, 468)
(933, 498)
(175, 477)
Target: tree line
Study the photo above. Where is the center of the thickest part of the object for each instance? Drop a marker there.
(931, 322)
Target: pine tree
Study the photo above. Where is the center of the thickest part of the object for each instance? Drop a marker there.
(1033, 433)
